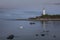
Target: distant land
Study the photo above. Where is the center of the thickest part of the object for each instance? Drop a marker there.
(46, 17)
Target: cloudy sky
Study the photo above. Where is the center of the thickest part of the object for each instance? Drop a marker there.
(51, 6)
(27, 4)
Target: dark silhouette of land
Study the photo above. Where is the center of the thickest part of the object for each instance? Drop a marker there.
(46, 17)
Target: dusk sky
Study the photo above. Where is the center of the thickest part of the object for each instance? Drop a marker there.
(27, 4)
(13, 8)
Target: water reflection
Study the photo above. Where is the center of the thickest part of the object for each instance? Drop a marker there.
(21, 27)
(45, 30)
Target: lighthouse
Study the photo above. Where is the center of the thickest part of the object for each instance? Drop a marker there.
(44, 11)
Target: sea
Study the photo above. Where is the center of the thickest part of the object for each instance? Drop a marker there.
(27, 30)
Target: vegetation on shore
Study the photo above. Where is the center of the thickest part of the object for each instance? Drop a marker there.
(47, 17)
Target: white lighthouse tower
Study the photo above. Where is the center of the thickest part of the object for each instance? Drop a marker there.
(44, 11)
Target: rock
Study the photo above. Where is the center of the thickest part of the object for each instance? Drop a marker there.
(10, 37)
(37, 35)
(42, 34)
(54, 36)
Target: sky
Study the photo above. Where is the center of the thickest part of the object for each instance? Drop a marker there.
(34, 7)
(27, 4)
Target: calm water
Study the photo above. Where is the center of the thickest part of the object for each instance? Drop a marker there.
(29, 31)
(23, 30)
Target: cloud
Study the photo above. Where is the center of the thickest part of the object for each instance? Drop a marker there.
(21, 3)
(52, 4)
(56, 3)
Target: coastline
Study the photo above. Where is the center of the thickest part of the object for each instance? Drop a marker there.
(47, 17)
(39, 19)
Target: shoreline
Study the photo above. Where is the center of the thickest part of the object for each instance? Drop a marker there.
(39, 19)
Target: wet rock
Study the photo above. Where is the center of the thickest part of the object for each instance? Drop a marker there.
(10, 37)
(42, 34)
(37, 35)
(32, 23)
(54, 36)
(47, 31)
